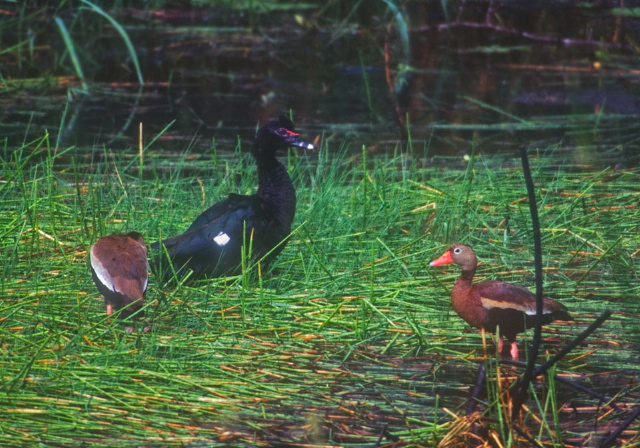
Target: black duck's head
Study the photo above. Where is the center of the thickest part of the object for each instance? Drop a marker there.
(277, 135)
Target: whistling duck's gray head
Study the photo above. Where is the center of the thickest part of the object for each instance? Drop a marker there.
(460, 254)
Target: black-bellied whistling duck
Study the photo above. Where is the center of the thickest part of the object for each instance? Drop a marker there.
(260, 223)
(491, 304)
(120, 270)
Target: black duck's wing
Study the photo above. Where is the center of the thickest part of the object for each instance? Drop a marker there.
(215, 248)
(217, 210)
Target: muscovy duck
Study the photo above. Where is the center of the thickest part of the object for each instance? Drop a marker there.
(256, 225)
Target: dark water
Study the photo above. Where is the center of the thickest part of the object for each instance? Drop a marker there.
(470, 79)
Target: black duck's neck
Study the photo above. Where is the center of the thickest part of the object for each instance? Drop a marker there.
(275, 186)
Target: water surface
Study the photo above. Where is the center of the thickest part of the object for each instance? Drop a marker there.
(486, 81)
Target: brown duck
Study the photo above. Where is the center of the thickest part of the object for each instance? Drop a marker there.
(120, 270)
(491, 304)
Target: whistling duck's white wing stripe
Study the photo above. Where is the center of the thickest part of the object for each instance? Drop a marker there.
(492, 303)
(145, 261)
(102, 273)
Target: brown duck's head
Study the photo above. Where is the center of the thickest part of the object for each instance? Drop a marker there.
(137, 236)
(460, 254)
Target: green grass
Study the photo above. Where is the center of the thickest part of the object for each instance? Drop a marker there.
(349, 339)
(350, 331)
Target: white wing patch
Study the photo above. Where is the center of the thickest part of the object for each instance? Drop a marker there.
(221, 239)
(490, 303)
(102, 273)
(146, 281)
(529, 310)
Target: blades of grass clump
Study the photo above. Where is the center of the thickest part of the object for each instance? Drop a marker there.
(21, 376)
(102, 391)
(445, 11)
(305, 241)
(379, 312)
(201, 364)
(573, 344)
(19, 164)
(367, 88)
(579, 198)
(123, 35)
(140, 152)
(403, 29)
(552, 399)
(600, 258)
(394, 256)
(63, 118)
(416, 329)
(496, 109)
(538, 409)
(72, 51)
(13, 48)
(159, 134)
(523, 433)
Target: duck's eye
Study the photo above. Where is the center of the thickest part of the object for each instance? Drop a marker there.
(457, 250)
(282, 131)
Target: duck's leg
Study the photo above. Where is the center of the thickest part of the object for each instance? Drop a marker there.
(500, 345)
(514, 351)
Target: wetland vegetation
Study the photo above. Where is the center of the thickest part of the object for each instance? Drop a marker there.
(349, 339)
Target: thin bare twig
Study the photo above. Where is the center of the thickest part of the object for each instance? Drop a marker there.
(573, 344)
(588, 391)
(473, 400)
(520, 392)
(614, 435)
(567, 381)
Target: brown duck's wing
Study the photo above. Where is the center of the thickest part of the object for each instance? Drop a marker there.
(501, 295)
(122, 265)
(138, 271)
(556, 309)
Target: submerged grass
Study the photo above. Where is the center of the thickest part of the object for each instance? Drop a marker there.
(348, 340)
